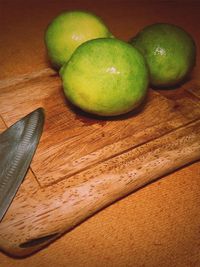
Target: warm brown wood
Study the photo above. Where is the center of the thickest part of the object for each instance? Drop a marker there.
(72, 141)
(84, 163)
(159, 224)
(37, 215)
(2, 125)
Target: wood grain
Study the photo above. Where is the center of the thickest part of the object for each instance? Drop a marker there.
(72, 140)
(84, 163)
(156, 226)
(56, 209)
(2, 125)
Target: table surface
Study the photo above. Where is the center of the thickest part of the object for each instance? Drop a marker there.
(159, 225)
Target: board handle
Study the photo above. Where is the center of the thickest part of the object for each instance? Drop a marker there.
(57, 209)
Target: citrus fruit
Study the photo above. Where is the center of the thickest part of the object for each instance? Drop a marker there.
(169, 50)
(70, 29)
(105, 76)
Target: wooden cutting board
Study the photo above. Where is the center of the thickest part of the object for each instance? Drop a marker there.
(84, 163)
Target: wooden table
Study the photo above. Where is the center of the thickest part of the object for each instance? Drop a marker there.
(159, 225)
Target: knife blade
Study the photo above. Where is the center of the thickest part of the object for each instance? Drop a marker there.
(17, 146)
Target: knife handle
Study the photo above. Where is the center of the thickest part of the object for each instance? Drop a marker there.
(36, 219)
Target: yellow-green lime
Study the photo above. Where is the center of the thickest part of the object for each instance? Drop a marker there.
(169, 50)
(70, 29)
(105, 76)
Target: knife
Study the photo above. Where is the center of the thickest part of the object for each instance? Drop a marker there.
(17, 147)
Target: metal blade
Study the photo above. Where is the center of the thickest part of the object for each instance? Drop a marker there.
(17, 147)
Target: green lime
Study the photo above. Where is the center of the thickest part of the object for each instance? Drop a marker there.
(106, 77)
(169, 50)
(70, 29)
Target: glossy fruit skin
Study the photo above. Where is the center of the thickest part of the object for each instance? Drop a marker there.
(106, 77)
(70, 29)
(169, 50)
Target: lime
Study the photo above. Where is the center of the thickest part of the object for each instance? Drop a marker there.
(70, 29)
(105, 76)
(169, 50)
